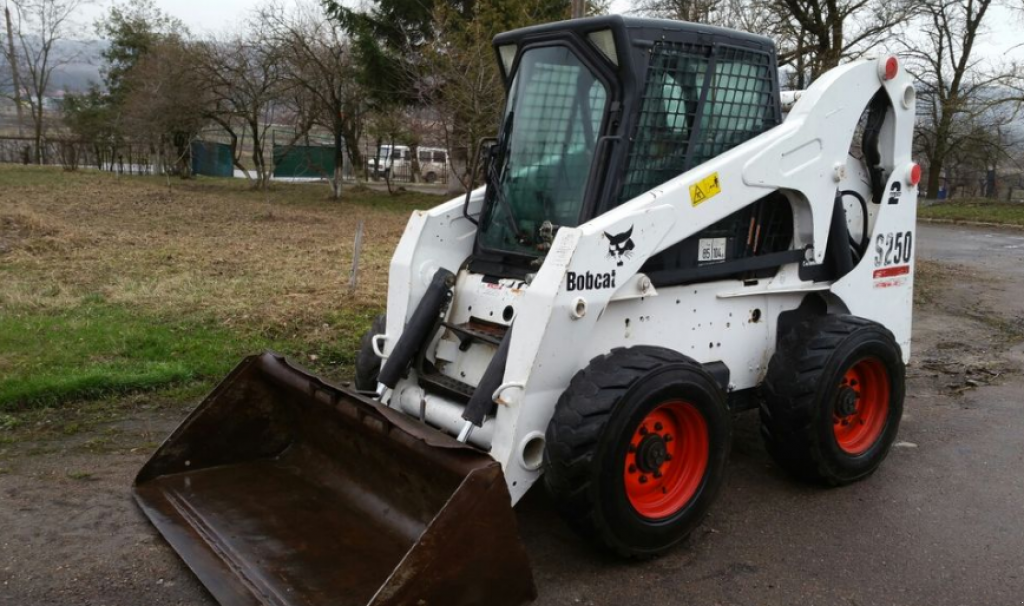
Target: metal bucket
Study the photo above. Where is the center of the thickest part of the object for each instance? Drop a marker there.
(283, 490)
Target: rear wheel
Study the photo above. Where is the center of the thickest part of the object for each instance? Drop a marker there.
(833, 399)
(637, 449)
(431, 177)
(367, 360)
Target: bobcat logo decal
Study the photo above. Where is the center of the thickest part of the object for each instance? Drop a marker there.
(620, 246)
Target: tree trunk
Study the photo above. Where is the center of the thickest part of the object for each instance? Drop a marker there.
(339, 164)
(934, 177)
(12, 59)
(414, 163)
(937, 157)
(377, 170)
(37, 117)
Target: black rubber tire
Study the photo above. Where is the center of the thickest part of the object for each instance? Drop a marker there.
(590, 431)
(367, 361)
(431, 177)
(800, 390)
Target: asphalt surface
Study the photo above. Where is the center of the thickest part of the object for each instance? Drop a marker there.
(940, 523)
(987, 248)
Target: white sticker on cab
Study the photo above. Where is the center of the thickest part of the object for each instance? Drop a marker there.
(711, 250)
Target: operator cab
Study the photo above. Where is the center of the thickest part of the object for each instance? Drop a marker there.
(600, 111)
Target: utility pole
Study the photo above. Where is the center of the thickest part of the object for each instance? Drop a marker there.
(13, 60)
(579, 9)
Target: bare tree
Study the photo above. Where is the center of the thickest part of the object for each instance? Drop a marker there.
(813, 36)
(244, 74)
(829, 31)
(697, 11)
(960, 98)
(9, 78)
(165, 102)
(459, 79)
(321, 74)
(37, 27)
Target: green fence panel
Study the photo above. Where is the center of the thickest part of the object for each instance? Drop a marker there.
(212, 159)
(303, 161)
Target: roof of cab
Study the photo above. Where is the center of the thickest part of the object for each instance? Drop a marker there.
(636, 28)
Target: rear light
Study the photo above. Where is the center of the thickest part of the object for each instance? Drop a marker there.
(915, 174)
(888, 68)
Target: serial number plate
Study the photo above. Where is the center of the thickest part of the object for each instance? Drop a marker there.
(711, 249)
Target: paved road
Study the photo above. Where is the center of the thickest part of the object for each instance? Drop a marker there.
(992, 249)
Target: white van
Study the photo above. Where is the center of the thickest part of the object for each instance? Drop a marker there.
(396, 161)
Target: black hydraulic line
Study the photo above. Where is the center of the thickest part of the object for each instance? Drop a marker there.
(419, 329)
(877, 110)
(481, 404)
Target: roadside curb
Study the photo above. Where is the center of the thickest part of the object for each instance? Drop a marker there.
(969, 223)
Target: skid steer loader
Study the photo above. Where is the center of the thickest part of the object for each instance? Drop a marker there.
(664, 239)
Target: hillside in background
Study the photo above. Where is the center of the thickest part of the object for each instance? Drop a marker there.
(81, 63)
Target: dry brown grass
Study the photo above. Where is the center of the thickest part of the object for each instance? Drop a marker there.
(275, 261)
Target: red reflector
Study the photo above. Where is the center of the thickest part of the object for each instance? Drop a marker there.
(891, 272)
(915, 174)
(892, 67)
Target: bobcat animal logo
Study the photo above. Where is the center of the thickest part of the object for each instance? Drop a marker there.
(620, 246)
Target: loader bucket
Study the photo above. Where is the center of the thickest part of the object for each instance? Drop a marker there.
(283, 490)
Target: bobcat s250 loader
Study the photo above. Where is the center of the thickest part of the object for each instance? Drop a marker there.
(664, 239)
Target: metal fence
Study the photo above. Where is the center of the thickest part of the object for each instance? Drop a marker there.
(212, 157)
(72, 154)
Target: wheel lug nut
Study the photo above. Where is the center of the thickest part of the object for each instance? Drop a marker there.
(668, 457)
(632, 448)
(668, 438)
(632, 469)
(643, 479)
(643, 430)
(657, 474)
(658, 427)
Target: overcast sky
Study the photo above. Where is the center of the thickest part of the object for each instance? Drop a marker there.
(204, 16)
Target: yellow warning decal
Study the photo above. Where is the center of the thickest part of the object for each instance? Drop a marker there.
(705, 189)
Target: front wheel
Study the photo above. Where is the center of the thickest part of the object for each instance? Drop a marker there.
(637, 449)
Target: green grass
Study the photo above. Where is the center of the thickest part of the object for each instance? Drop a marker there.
(977, 211)
(98, 349)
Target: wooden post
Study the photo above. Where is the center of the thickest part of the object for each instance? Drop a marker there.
(353, 278)
(579, 9)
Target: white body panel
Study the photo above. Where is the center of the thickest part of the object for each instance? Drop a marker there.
(558, 328)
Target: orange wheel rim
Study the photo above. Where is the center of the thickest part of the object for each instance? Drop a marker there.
(861, 408)
(666, 459)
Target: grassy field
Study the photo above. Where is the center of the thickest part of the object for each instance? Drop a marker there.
(977, 211)
(117, 286)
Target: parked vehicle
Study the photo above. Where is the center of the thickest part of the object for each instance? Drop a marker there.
(396, 162)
